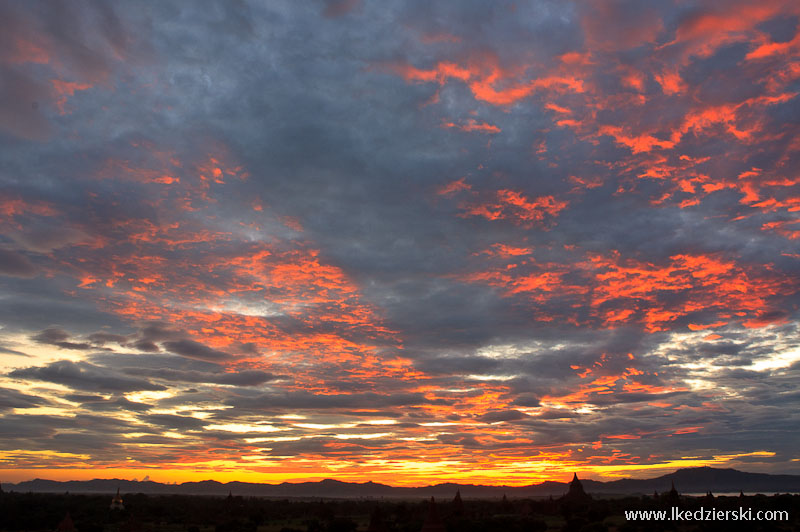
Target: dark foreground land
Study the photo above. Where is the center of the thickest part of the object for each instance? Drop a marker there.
(36, 512)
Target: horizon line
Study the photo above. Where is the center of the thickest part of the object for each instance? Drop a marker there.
(300, 481)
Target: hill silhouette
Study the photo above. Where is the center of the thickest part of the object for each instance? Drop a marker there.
(691, 480)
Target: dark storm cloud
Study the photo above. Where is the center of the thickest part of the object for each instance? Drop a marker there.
(84, 376)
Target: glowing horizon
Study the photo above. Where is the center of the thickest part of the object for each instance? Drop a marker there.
(490, 477)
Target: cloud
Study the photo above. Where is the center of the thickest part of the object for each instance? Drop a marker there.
(192, 349)
(303, 400)
(337, 8)
(60, 338)
(11, 399)
(16, 265)
(248, 377)
(502, 415)
(174, 422)
(14, 352)
(84, 376)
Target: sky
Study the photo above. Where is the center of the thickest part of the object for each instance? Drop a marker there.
(398, 241)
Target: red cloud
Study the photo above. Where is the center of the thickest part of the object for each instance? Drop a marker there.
(655, 296)
(517, 207)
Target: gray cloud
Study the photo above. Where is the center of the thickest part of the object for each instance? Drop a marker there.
(502, 415)
(249, 377)
(15, 264)
(60, 338)
(192, 349)
(84, 376)
(302, 400)
(14, 399)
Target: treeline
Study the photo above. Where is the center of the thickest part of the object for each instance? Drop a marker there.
(36, 512)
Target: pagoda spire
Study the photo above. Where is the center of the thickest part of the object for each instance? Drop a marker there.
(576, 492)
(433, 523)
(116, 502)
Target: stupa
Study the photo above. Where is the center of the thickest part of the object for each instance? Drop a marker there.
(433, 523)
(116, 502)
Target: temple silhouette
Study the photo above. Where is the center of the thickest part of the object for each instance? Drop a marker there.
(116, 502)
(576, 493)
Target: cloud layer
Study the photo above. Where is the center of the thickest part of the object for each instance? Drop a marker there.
(398, 241)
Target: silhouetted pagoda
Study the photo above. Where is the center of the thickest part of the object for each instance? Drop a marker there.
(116, 502)
(673, 497)
(458, 504)
(576, 492)
(505, 505)
(433, 523)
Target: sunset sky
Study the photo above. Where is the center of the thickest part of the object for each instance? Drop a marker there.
(486, 242)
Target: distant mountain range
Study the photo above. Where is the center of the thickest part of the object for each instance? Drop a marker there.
(692, 480)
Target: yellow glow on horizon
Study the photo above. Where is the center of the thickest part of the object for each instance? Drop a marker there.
(426, 470)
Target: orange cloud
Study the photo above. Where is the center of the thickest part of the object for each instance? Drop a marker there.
(636, 143)
(488, 81)
(626, 291)
(608, 384)
(518, 208)
(26, 49)
(473, 125)
(505, 251)
(454, 186)
(65, 89)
